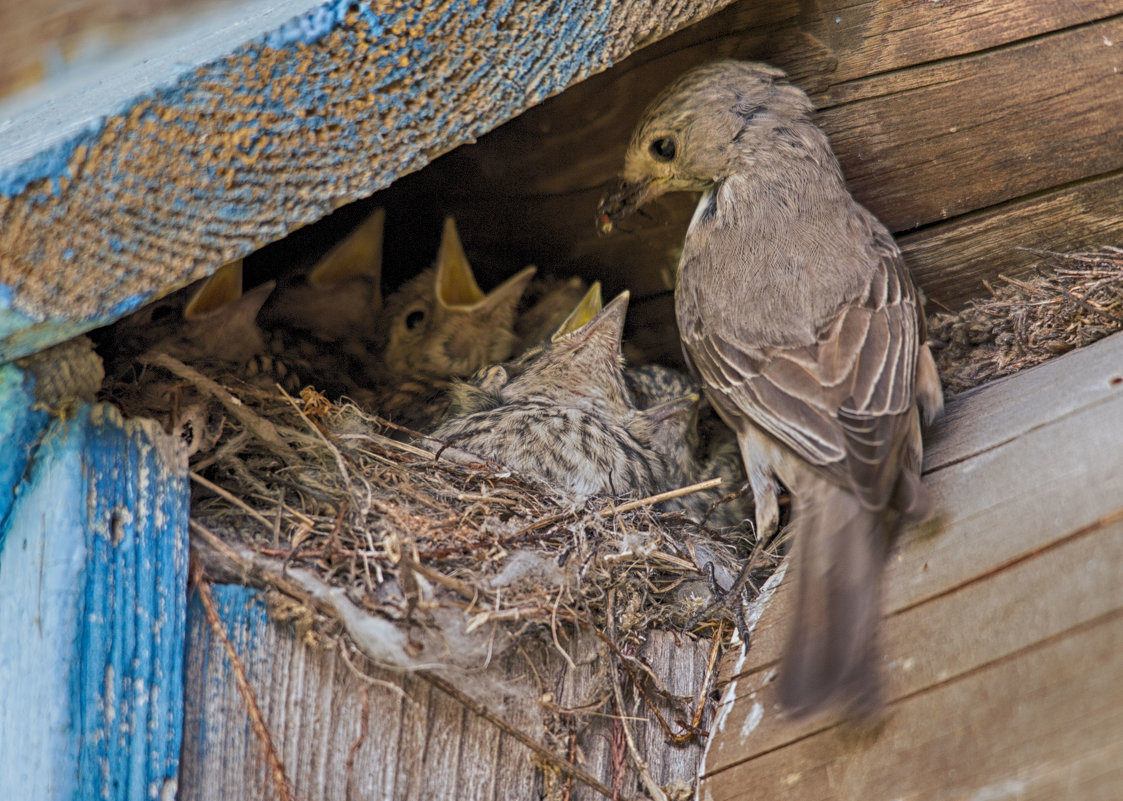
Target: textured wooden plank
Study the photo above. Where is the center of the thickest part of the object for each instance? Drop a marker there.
(949, 138)
(951, 260)
(342, 736)
(1028, 555)
(277, 132)
(92, 578)
(1071, 584)
(1041, 724)
(1002, 410)
(21, 424)
(876, 36)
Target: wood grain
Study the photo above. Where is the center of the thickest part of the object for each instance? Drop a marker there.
(1022, 570)
(344, 735)
(93, 573)
(953, 259)
(36, 38)
(1044, 723)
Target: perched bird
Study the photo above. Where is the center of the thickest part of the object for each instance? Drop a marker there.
(798, 314)
(562, 416)
(438, 326)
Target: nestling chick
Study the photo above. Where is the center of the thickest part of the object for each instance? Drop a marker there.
(214, 331)
(323, 326)
(548, 302)
(798, 314)
(438, 326)
(341, 297)
(563, 416)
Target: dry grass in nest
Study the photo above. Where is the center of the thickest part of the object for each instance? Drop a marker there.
(1072, 300)
(362, 540)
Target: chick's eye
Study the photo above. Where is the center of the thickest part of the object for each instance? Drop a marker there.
(414, 319)
(663, 148)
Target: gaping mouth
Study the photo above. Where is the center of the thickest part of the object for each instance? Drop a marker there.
(620, 201)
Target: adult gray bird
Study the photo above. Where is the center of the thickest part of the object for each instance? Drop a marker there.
(804, 325)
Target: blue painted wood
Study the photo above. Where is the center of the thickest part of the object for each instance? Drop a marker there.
(21, 425)
(93, 572)
(152, 188)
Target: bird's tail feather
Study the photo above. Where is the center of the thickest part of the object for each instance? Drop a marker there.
(832, 653)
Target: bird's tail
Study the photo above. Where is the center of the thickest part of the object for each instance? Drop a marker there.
(832, 653)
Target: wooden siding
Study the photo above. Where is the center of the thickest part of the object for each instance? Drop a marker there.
(1004, 637)
(343, 735)
(93, 569)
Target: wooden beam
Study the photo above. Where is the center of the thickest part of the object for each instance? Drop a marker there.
(953, 259)
(271, 134)
(1020, 573)
(93, 569)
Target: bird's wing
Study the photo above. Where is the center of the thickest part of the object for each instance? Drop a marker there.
(842, 404)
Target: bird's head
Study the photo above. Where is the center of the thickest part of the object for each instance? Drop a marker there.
(709, 124)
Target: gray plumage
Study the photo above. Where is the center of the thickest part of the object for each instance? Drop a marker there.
(799, 316)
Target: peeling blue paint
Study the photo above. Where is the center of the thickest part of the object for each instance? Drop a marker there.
(127, 305)
(92, 594)
(518, 69)
(21, 425)
(309, 28)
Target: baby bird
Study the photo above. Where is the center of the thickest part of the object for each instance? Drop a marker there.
(564, 418)
(214, 331)
(548, 302)
(797, 312)
(323, 326)
(438, 326)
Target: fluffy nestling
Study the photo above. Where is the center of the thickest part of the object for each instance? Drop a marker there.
(799, 316)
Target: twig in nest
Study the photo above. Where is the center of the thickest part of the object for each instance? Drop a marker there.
(262, 428)
(257, 719)
(651, 500)
(649, 783)
(234, 499)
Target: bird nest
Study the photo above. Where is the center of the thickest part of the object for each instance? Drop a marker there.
(363, 540)
(1071, 300)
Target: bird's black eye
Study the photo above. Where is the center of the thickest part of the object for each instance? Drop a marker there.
(663, 148)
(414, 319)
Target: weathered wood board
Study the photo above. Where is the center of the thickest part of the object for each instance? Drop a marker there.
(341, 734)
(93, 568)
(1004, 636)
(104, 208)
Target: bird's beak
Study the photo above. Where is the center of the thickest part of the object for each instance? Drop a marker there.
(620, 200)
